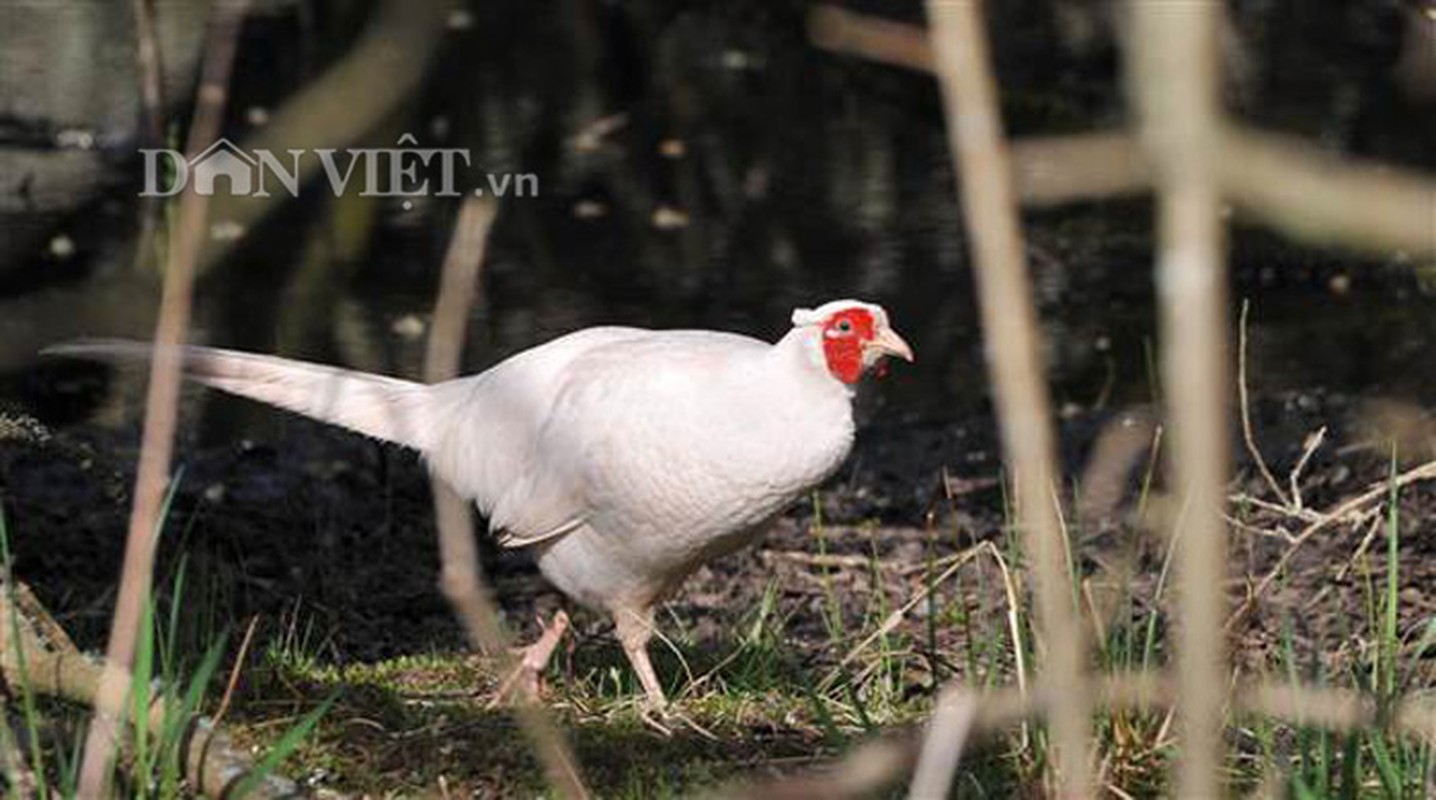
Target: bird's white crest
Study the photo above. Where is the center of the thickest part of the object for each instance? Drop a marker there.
(815, 316)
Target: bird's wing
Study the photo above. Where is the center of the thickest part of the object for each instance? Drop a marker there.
(488, 444)
(627, 424)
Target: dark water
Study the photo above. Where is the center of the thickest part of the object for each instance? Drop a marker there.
(803, 177)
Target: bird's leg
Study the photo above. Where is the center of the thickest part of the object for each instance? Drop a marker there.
(524, 678)
(634, 628)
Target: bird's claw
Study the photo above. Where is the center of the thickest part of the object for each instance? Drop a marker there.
(656, 717)
(524, 682)
(667, 720)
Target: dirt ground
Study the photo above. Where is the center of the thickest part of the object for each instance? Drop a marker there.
(336, 530)
(326, 539)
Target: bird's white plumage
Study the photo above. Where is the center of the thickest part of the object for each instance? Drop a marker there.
(625, 457)
(484, 432)
(630, 456)
(680, 444)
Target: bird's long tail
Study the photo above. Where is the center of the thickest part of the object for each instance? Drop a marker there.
(384, 408)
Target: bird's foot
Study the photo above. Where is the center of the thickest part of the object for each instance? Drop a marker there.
(659, 719)
(524, 683)
(668, 719)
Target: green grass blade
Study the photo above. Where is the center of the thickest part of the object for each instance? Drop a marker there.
(282, 749)
(1390, 639)
(27, 697)
(169, 654)
(185, 710)
(1386, 769)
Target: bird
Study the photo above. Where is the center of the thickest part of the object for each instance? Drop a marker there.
(624, 458)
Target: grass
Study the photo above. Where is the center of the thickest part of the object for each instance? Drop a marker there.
(769, 695)
(170, 688)
(845, 639)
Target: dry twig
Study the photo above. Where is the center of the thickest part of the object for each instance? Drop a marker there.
(1326, 198)
(872, 38)
(161, 411)
(947, 733)
(1244, 403)
(880, 763)
(868, 769)
(1344, 511)
(462, 583)
(1051, 170)
(890, 623)
(31, 655)
(1296, 187)
(1014, 350)
(150, 65)
(1174, 77)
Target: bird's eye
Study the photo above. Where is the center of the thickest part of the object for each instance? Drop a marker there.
(844, 326)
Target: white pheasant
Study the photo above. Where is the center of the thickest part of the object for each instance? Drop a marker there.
(626, 458)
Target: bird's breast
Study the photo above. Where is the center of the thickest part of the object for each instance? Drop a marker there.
(689, 480)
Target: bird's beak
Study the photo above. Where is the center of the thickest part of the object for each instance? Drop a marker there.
(887, 342)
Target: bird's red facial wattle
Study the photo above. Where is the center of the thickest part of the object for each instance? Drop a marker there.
(854, 341)
(844, 334)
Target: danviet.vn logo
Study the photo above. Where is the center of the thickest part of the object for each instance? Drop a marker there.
(406, 170)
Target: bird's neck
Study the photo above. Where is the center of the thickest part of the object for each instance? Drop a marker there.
(799, 356)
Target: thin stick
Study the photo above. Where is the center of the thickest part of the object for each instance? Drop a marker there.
(1426, 471)
(55, 637)
(873, 38)
(1051, 170)
(1322, 198)
(161, 411)
(1292, 185)
(1014, 360)
(996, 709)
(1309, 447)
(234, 672)
(149, 63)
(1173, 74)
(1245, 403)
(462, 583)
(947, 734)
(896, 617)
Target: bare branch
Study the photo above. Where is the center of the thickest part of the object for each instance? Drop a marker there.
(1308, 193)
(150, 63)
(161, 411)
(1327, 198)
(947, 733)
(1014, 360)
(1244, 403)
(1051, 170)
(462, 582)
(873, 38)
(1174, 78)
